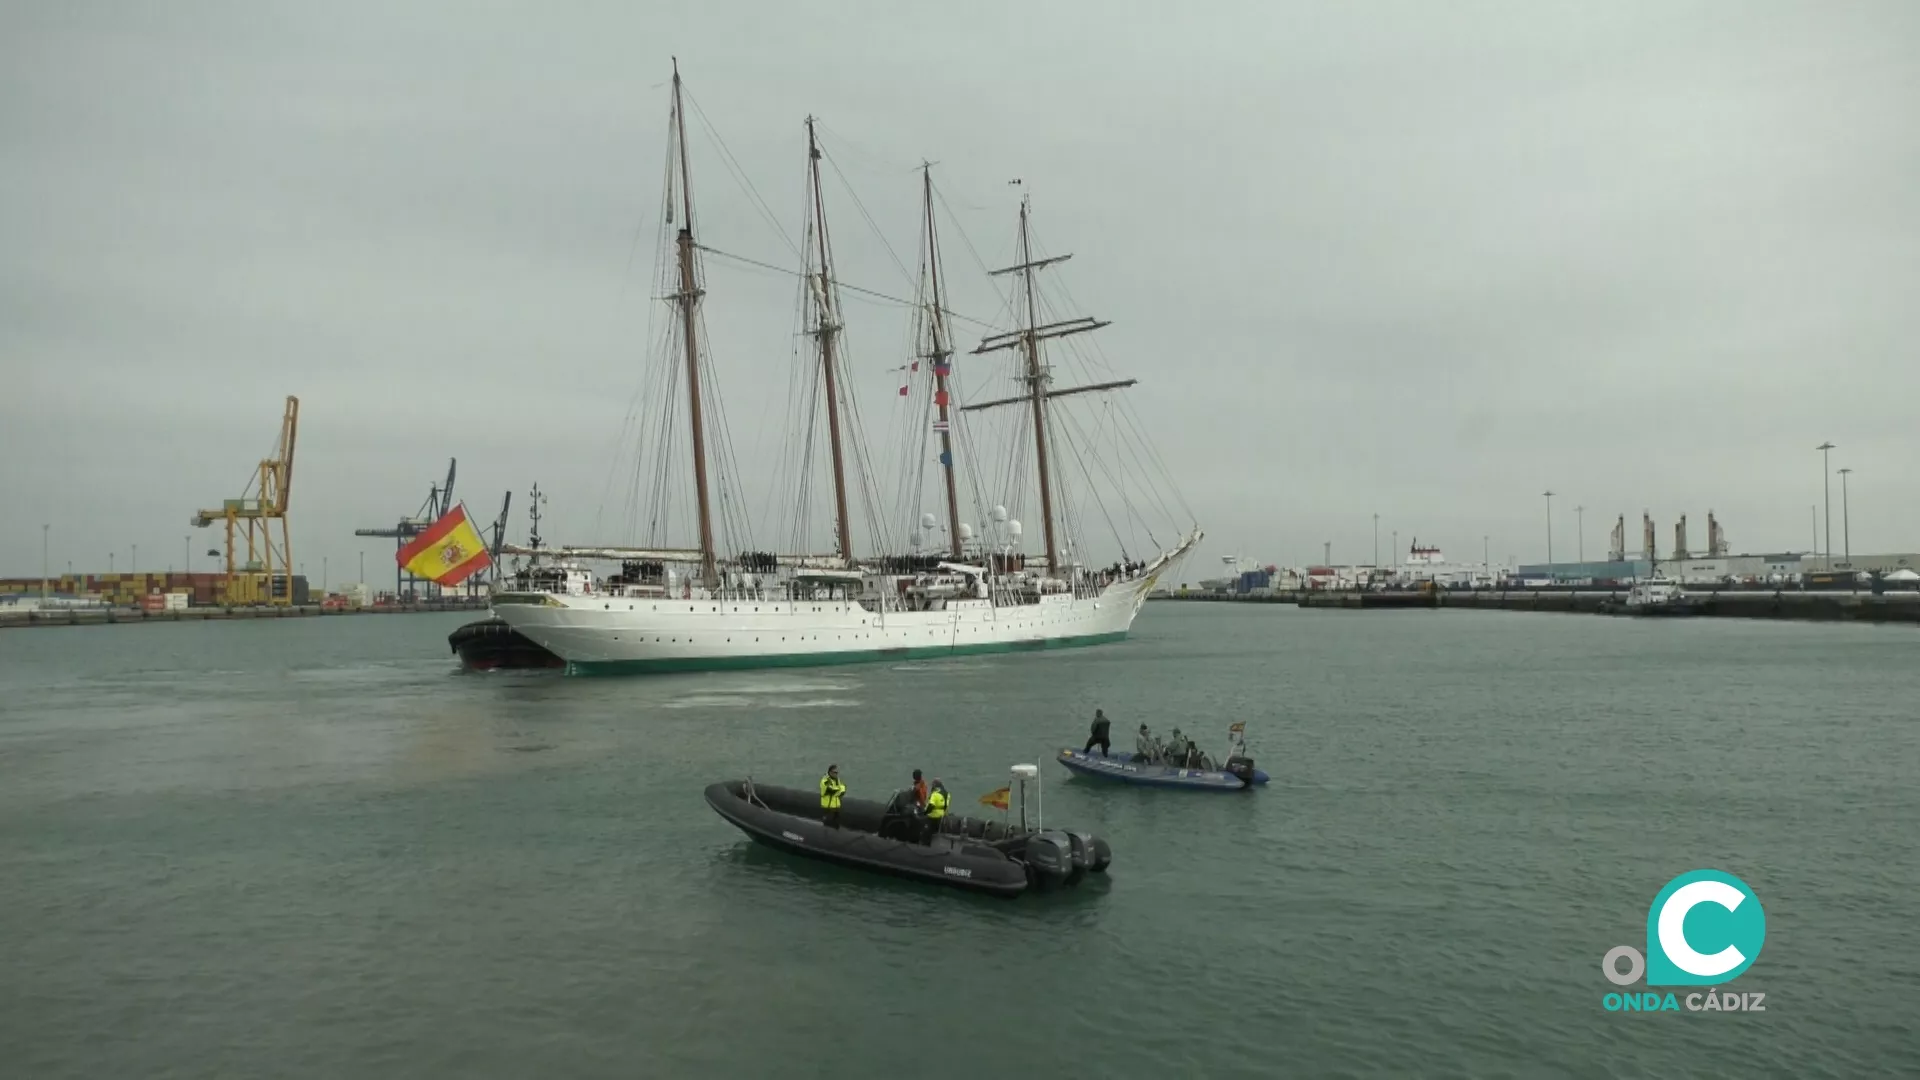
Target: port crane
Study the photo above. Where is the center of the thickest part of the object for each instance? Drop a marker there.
(439, 502)
(261, 504)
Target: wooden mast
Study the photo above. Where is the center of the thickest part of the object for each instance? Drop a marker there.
(1029, 340)
(1037, 389)
(689, 298)
(827, 329)
(940, 354)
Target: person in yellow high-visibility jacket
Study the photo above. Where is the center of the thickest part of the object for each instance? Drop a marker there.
(936, 810)
(831, 790)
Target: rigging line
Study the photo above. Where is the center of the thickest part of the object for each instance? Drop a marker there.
(874, 225)
(1092, 488)
(740, 175)
(838, 284)
(636, 403)
(1132, 419)
(1153, 490)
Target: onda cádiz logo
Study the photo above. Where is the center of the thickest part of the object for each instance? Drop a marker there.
(1704, 929)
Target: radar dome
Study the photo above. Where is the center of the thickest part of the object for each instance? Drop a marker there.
(1013, 529)
(999, 513)
(966, 531)
(926, 521)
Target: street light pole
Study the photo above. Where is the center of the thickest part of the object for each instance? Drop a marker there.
(43, 561)
(1580, 528)
(1846, 533)
(1826, 481)
(136, 560)
(186, 550)
(1486, 557)
(1549, 533)
(1376, 541)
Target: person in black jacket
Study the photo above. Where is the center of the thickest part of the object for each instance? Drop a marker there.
(1099, 734)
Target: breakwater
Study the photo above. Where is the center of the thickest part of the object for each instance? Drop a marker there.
(121, 616)
(1809, 605)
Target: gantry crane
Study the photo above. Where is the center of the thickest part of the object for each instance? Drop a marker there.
(439, 503)
(260, 505)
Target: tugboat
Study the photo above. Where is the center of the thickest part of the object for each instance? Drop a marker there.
(1196, 773)
(492, 643)
(1000, 858)
(489, 644)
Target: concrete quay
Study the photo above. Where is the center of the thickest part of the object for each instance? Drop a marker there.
(1815, 605)
(121, 616)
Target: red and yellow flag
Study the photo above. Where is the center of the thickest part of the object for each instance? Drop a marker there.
(995, 799)
(449, 552)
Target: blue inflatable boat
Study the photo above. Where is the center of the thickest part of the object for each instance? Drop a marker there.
(1238, 774)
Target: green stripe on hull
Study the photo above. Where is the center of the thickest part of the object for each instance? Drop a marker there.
(824, 659)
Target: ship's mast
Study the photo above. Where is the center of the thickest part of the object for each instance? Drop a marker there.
(689, 298)
(826, 331)
(1036, 388)
(1029, 339)
(939, 352)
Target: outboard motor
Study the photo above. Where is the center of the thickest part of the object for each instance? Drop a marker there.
(1241, 766)
(1049, 858)
(1080, 848)
(1099, 855)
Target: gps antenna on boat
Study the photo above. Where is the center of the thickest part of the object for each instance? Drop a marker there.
(1021, 775)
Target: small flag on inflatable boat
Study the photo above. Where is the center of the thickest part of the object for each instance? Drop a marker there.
(940, 425)
(996, 799)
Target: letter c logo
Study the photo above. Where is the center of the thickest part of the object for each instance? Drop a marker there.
(1705, 926)
(1673, 935)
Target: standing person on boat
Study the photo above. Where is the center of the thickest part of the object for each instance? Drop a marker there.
(919, 791)
(1099, 734)
(1177, 748)
(831, 789)
(936, 811)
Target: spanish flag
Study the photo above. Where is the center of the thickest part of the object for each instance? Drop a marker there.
(449, 552)
(996, 799)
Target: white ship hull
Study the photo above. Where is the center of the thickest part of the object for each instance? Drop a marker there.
(599, 634)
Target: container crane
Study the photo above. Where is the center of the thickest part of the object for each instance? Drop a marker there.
(439, 503)
(262, 503)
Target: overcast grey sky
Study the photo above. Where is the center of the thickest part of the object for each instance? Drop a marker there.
(1415, 259)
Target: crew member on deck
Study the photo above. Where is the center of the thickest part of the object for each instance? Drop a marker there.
(1177, 749)
(1144, 747)
(936, 811)
(831, 789)
(919, 791)
(1099, 734)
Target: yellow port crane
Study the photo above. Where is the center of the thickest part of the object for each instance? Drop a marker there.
(263, 502)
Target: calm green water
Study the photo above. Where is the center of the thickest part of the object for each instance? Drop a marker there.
(313, 849)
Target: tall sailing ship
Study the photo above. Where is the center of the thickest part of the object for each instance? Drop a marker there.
(673, 608)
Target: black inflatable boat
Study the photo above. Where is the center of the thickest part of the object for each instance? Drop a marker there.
(967, 853)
